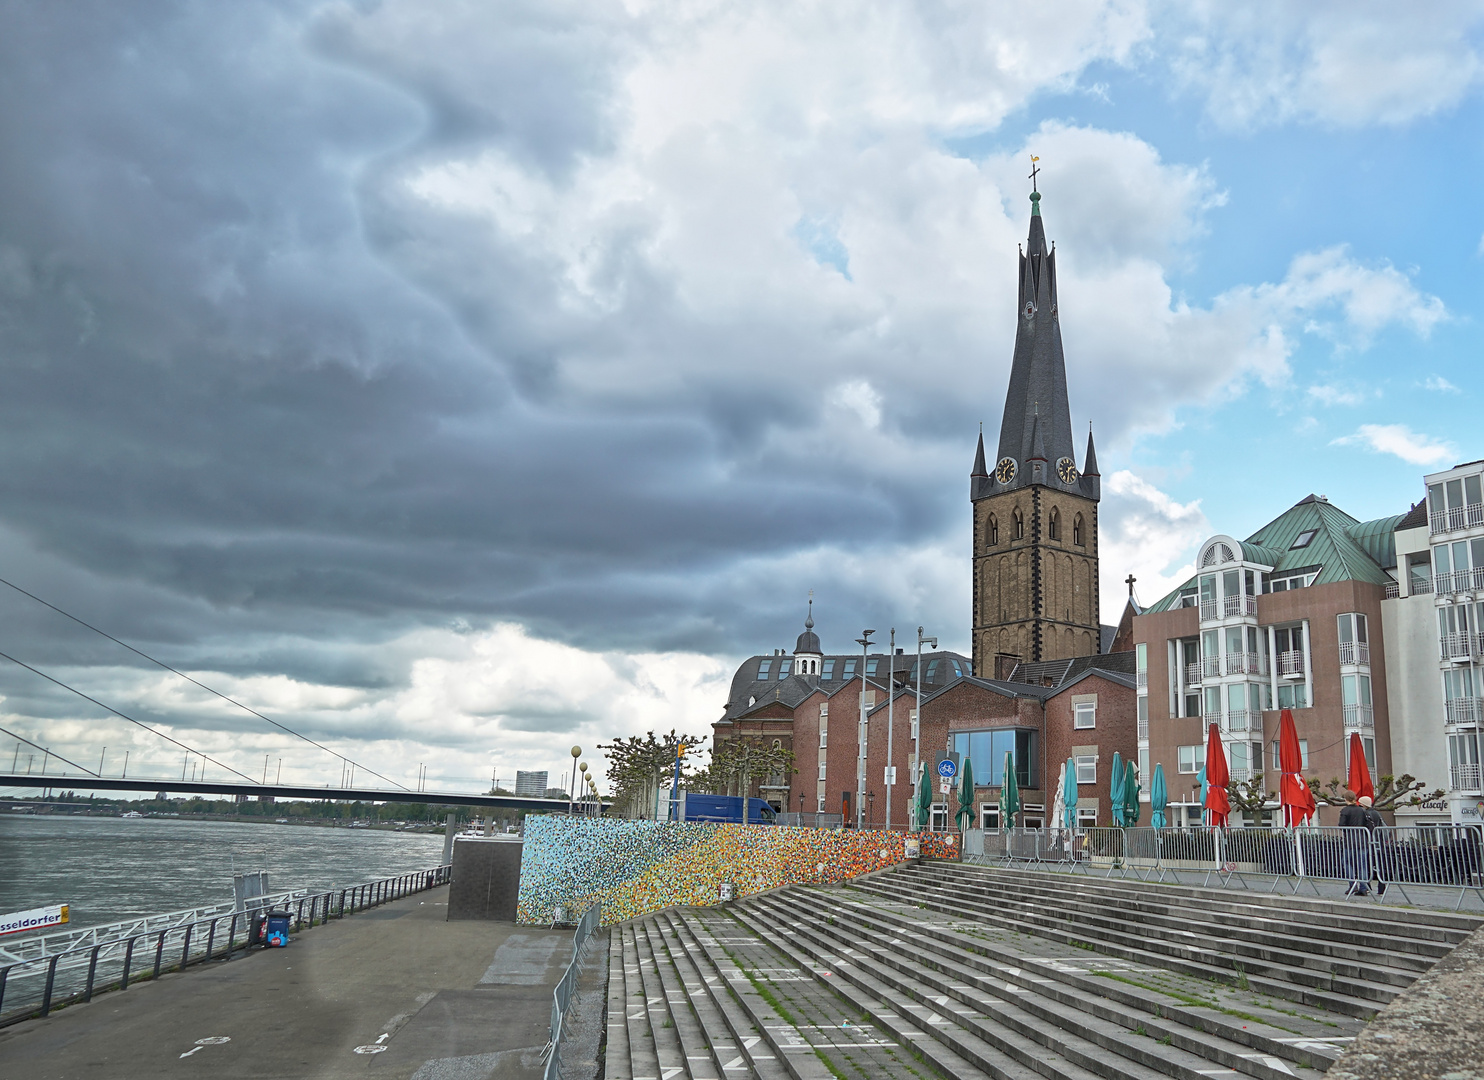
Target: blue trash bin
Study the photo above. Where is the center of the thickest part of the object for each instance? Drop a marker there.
(277, 935)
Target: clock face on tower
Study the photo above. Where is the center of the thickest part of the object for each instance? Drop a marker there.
(1004, 472)
(1066, 468)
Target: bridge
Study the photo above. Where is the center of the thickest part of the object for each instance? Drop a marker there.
(88, 782)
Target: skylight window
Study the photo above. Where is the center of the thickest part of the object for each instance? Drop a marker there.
(762, 668)
(1302, 541)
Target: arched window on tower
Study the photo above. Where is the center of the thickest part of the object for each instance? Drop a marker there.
(994, 530)
(1053, 525)
(1077, 530)
(1019, 524)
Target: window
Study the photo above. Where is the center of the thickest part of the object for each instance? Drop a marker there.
(763, 667)
(1077, 531)
(1087, 768)
(986, 751)
(824, 737)
(1019, 524)
(932, 669)
(1368, 749)
(849, 670)
(1143, 707)
(824, 711)
(994, 530)
(1141, 657)
(1303, 755)
(829, 669)
(1293, 579)
(1085, 714)
(1144, 763)
(1053, 525)
(821, 804)
(1303, 538)
(1293, 696)
(1213, 703)
(1191, 759)
(821, 770)
(1419, 574)
(1187, 597)
(783, 669)
(871, 665)
(1087, 817)
(957, 671)
(989, 817)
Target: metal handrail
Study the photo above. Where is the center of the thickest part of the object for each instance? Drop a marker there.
(162, 945)
(561, 997)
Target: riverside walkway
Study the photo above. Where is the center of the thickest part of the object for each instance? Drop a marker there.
(438, 1000)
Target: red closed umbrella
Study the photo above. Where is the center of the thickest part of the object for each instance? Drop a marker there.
(1293, 794)
(1217, 777)
(1360, 773)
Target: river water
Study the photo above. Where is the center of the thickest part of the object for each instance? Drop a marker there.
(115, 868)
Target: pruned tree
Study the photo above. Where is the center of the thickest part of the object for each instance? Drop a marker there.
(639, 767)
(735, 762)
(1391, 792)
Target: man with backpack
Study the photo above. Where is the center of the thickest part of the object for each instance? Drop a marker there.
(1357, 845)
(1372, 822)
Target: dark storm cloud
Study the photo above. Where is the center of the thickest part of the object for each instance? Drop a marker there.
(254, 395)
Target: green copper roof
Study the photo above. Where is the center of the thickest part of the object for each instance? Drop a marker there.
(1344, 549)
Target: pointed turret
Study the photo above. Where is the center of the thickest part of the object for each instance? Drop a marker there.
(1091, 481)
(1037, 421)
(979, 478)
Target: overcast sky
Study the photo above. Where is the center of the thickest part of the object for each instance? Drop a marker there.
(456, 381)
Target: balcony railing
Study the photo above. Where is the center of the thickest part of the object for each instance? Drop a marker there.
(1359, 716)
(1211, 666)
(1245, 663)
(1143, 730)
(1291, 664)
(1208, 610)
(1355, 652)
(1464, 777)
(1141, 679)
(1239, 605)
(1237, 719)
(1421, 585)
(1460, 517)
(1465, 710)
(1192, 674)
(1459, 581)
(1241, 772)
(1392, 591)
(1458, 646)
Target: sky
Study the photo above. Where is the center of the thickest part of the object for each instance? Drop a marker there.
(454, 382)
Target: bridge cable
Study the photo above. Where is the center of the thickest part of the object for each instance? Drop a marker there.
(197, 682)
(125, 716)
(48, 750)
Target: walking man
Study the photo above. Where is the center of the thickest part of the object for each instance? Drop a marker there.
(1373, 821)
(1357, 845)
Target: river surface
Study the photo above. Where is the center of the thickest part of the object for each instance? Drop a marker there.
(115, 868)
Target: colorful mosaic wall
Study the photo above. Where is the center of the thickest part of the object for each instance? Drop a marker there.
(636, 867)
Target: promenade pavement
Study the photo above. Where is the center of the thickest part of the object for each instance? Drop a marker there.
(395, 992)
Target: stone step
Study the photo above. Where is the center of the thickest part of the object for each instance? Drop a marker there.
(1149, 992)
(617, 1063)
(1079, 1035)
(974, 1035)
(1301, 985)
(643, 1061)
(719, 1009)
(1448, 928)
(961, 974)
(1290, 948)
(701, 1049)
(1264, 924)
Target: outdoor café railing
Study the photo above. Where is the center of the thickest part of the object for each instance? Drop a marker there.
(1405, 858)
(35, 985)
(561, 997)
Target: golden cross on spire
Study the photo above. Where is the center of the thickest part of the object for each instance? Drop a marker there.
(1034, 171)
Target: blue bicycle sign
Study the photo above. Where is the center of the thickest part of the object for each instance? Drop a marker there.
(947, 769)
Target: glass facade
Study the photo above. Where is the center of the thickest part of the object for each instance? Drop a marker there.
(986, 751)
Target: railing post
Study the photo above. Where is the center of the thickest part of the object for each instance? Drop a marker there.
(51, 978)
(4, 975)
(159, 954)
(87, 994)
(185, 949)
(210, 939)
(128, 959)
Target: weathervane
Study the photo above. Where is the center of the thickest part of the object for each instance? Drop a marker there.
(1034, 171)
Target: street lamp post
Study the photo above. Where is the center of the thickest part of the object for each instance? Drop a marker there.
(891, 697)
(864, 641)
(917, 736)
(572, 791)
(801, 809)
(871, 797)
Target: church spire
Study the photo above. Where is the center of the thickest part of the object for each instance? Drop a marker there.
(1037, 421)
(1090, 459)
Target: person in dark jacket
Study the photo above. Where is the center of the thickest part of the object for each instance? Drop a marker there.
(1356, 846)
(1373, 821)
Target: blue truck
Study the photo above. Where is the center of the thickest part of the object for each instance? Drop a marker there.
(695, 806)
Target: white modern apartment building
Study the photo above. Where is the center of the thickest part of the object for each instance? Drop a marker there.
(1433, 621)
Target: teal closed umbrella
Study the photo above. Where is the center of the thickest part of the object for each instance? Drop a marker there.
(1115, 789)
(1200, 778)
(924, 802)
(1069, 794)
(1130, 795)
(1009, 793)
(1159, 797)
(965, 814)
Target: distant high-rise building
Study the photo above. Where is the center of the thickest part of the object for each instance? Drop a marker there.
(531, 784)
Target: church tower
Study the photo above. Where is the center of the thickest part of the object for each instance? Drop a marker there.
(1035, 512)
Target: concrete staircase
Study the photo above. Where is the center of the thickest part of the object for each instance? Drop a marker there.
(939, 969)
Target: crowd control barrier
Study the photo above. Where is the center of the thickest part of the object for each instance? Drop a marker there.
(561, 997)
(1423, 864)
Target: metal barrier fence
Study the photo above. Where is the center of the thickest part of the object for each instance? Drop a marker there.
(35, 985)
(561, 997)
(1406, 858)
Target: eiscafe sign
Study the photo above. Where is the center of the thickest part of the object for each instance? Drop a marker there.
(42, 918)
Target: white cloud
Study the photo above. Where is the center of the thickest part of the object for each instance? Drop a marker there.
(1345, 62)
(1440, 384)
(1400, 440)
(1327, 394)
(1148, 534)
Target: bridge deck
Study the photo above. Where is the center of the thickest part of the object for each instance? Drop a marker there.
(452, 998)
